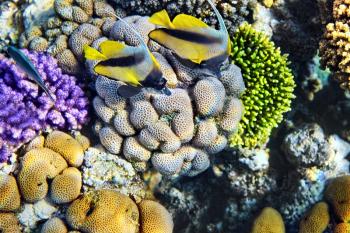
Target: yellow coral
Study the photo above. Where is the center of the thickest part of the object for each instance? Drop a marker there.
(9, 223)
(316, 220)
(9, 194)
(155, 218)
(338, 194)
(342, 228)
(38, 165)
(66, 186)
(54, 225)
(67, 146)
(269, 221)
(103, 211)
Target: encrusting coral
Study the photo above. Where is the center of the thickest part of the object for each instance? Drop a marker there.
(26, 109)
(334, 46)
(54, 225)
(269, 221)
(177, 133)
(269, 82)
(9, 223)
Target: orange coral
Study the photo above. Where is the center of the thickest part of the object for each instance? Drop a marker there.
(342, 228)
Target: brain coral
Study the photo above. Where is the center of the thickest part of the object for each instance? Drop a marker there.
(269, 84)
(103, 211)
(76, 23)
(338, 194)
(177, 133)
(54, 225)
(25, 109)
(9, 194)
(9, 223)
(154, 218)
(316, 220)
(334, 47)
(269, 221)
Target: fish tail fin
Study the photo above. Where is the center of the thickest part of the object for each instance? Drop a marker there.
(92, 54)
(162, 18)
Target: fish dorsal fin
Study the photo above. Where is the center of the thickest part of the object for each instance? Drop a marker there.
(161, 18)
(111, 48)
(218, 15)
(92, 54)
(183, 21)
(127, 91)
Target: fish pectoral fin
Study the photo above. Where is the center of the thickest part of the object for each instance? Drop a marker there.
(92, 54)
(111, 48)
(183, 21)
(161, 18)
(127, 91)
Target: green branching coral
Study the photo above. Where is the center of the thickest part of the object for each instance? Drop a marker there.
(269, 84)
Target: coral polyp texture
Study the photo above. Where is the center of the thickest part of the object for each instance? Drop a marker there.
(73, 24)
(177, 133)
(26, 109)
(334, 46)
(269, 82)
(268, 221)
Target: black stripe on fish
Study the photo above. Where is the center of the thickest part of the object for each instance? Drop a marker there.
(190, 36)
(154, 79)
(215, 61)
(123, 61)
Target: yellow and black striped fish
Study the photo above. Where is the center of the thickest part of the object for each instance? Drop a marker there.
(135, 66)
(192, 39)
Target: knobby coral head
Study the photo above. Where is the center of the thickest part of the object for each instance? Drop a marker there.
(25, 109)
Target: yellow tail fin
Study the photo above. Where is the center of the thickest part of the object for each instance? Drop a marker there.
(93, 54)
(162, 18)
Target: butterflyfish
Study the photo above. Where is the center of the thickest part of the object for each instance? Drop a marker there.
(27, 66)
(135, 66)
(193, 40)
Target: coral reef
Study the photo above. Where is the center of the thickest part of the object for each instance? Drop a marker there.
(269, 84)
(233, 12)
(67, 26)
(335, 42)
(26, 109)
(176, 133)
(9, 13)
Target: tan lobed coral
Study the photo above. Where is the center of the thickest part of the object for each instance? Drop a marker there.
(9, 223)
(77, 22)
(316, 220)
(177, 133)
(54, 225)
(103, 211)
(110, 211)
(154, 218)
(334, 47)
(269, 221)
(9, 194)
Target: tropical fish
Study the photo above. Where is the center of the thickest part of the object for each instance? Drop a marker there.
(135, 66)
(27, 66)
(193, 40)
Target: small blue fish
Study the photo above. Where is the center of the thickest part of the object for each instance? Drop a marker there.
(194, 42)
(27, 66)
(136, 66)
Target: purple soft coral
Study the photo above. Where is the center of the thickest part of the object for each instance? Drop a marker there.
(25, 109)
